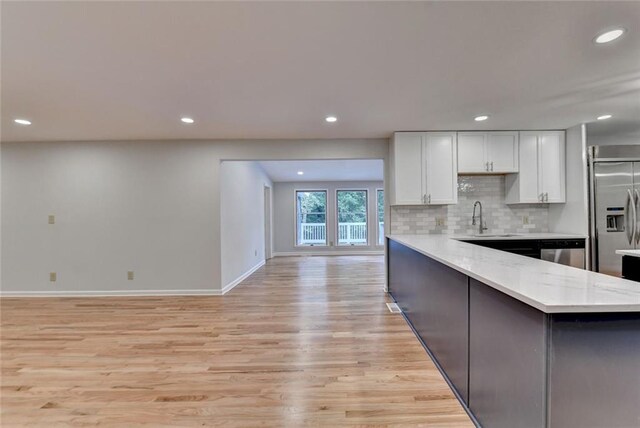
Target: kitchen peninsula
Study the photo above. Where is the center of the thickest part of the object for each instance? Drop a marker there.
(523, 342)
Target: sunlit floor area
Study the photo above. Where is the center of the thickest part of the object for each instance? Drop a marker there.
(304, 341)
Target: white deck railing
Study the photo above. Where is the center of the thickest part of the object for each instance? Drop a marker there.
(313, 233)
(352, 233)
(348, 233)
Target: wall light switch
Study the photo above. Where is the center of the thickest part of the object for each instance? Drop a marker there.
(255, 252)
(130, 275)
(439, 221)
(53, 277)
(52, 219)
(525, 219)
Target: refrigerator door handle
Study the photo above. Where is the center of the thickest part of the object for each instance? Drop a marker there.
(636, 209)
(630, 219)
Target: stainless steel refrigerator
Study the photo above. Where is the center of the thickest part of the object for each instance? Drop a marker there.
(614, 180)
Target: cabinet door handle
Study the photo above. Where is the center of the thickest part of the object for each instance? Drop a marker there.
(546, 197)
(491, 165)
(637, 206)
(486, 166)
(629, 218)
(541, 197)
(429, 198)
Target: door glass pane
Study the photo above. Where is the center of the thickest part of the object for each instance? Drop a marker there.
(380, 205)
(311, 217)
(352, 217)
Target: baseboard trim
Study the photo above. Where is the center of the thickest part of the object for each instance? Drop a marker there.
(241, 278)
(329, 253)
(112, 293)
(134, 293)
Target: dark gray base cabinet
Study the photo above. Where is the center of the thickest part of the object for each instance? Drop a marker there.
(507, 369)
(435, 298)
(594, 370)
(513, 365)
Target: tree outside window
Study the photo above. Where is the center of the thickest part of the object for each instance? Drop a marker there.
(380, 204)
(352, 217)
(311, 218)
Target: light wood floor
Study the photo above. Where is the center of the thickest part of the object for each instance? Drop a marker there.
(303, 342)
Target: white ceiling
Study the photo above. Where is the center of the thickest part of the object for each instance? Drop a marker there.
(129, 70)
(321, 170)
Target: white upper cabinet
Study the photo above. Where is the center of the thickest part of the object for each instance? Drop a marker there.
(487, 152)
(502, 152)
(424, 168)
(541, 178)
(440, 168)
(551, 163)
(407, 181)
(472, 152)
(526, 190)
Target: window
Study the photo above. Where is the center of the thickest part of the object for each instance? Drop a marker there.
(311, 217)
(380, 205)
(352, 217)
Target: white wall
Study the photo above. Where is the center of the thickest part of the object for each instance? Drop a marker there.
(145, 207)
(151, 207)
(572, 217)
(0, 216)
(613, 140)
(242, 217)
(284, 204)
(605, 133)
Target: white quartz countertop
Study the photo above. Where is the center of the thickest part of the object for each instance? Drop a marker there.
(633, 253)
(549, 287)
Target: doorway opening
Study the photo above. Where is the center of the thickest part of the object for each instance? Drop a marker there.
(277, 208)
(327, 207)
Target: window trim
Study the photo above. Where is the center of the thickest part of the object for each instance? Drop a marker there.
(337, 227)
(295, 218)
(378, 244)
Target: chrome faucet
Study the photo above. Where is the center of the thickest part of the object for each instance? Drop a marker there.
(481, 224)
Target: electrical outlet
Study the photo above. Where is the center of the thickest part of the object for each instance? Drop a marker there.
(53, 277)
(52, 219)
(331, 243)
(130, 275)
(525, 219)
(439, 221)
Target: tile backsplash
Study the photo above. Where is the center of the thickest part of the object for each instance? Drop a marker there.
(456, 219)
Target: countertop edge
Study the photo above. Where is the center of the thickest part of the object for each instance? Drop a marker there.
(518, 237)
(630, 253)
(550, 309)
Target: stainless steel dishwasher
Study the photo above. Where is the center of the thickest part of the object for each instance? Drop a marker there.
(568, 252)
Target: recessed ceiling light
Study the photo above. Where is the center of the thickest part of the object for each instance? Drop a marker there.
(331, 119)
(187, 120)
(609, 35)
(481, 118)
(22, 121)
(300, 172)
(605, 117)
